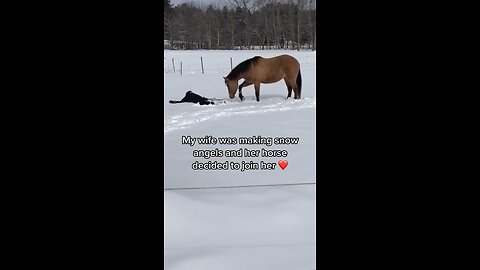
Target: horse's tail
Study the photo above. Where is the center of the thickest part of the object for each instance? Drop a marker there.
(299, 83)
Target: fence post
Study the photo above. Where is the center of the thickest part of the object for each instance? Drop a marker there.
(181, 69)
(201, 60)
(231, 66)
(173, 63)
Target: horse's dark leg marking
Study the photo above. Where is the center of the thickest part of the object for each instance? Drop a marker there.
(244, 84)
(295, 91)
(257, 91)
(297, 87)
(289, 89)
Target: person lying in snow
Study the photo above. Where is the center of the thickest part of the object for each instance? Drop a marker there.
(194, 98)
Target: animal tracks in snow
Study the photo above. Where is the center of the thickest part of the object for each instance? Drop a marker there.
(186, 120)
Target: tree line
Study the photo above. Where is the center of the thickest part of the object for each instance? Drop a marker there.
(241, 24)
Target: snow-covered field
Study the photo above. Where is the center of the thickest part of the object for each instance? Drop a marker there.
(240, 228)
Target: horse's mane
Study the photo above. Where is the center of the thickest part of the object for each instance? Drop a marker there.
(242, 67)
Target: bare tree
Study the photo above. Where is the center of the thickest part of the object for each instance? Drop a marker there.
(247, 23)
(300, 5)
(244, 10)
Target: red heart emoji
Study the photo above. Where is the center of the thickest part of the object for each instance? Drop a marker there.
(283, 164)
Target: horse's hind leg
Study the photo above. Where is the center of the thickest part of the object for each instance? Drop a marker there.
(295, 91)
(298, 84)
(289, 89)
(257, 91)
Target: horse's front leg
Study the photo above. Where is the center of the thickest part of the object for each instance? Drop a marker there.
(257, 91)
(244, 84)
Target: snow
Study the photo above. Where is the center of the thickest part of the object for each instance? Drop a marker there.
(239, 228)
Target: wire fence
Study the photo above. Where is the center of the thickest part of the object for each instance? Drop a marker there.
(204, 66)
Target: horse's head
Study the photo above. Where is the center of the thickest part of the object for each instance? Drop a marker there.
(232, 86)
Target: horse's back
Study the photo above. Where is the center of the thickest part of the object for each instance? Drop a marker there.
(271, 70)
(286, 62)
(285, 58)
(289, 64)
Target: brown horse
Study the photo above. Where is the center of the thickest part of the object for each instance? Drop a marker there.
(265, 70)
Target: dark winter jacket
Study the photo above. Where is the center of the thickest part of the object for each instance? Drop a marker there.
(193, 98)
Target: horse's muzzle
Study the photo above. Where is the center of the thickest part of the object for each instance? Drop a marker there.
(231, 96)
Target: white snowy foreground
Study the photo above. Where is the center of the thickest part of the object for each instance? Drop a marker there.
(239, 228)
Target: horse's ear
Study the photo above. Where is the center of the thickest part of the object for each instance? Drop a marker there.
(224, 78)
